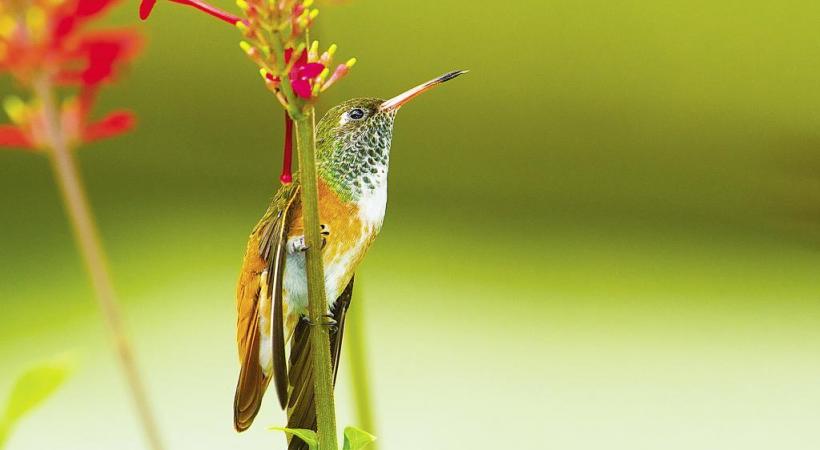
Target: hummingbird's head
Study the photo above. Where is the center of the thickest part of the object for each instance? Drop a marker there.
(353, 139)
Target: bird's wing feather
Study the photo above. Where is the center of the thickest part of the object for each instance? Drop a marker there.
(301, 409)
(261, 277)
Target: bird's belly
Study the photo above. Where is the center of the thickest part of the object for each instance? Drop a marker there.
(352, 227)
(340, 261)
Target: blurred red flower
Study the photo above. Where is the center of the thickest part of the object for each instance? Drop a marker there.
(302, 73)
(48, 41)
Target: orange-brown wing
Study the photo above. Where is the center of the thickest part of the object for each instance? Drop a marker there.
(261, 278)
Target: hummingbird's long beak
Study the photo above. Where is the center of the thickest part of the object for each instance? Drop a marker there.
(397, 101)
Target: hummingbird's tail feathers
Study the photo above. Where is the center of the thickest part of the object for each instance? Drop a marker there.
(301, 409)
(250, 387)
(339, 314)
(301, 412)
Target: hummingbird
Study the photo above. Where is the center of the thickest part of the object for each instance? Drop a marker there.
(352, 154)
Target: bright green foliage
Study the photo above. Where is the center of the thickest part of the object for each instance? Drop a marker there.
(357, 439)
(34, 386)
(309, 436)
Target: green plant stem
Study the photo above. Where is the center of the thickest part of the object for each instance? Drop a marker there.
(359, 374)
(317, 298)
(86, 236)
(279, 52)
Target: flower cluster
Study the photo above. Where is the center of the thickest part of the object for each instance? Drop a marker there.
(276, 40)
(274, 32)
(47, 42)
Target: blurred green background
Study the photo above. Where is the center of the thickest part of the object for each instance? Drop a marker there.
(607, 235)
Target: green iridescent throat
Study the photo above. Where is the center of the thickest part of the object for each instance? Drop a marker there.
(353, 154)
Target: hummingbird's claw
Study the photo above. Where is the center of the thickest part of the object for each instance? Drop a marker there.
(298, 244)
(331, 323)
(327, 321)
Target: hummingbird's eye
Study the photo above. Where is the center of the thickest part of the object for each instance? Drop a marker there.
(356, 113)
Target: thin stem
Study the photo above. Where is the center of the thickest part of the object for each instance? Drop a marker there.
(359, 375)
(86, 236)
(317, 298)
(284, 85)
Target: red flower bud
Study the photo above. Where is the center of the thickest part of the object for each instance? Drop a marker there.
(287, 160)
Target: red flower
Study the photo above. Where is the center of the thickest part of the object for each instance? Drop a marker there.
(302, 73)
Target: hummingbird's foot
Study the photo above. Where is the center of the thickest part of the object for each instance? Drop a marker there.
(327, 321)
(298, 244)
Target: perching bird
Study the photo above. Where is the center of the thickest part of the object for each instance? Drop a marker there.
(353, 151)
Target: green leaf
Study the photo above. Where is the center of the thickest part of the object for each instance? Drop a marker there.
(32, 387)
(308, 436)
(357, 439)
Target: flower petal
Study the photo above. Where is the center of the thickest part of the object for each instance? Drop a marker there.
(62, 28)
(311, 70)
(302, 58)
(146, 6)
(111, 125)
(87, 8)
(301, 88)
(12, 136)
(99, 54)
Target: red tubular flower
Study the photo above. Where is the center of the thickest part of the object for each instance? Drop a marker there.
(146, 6)
(287, 163)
